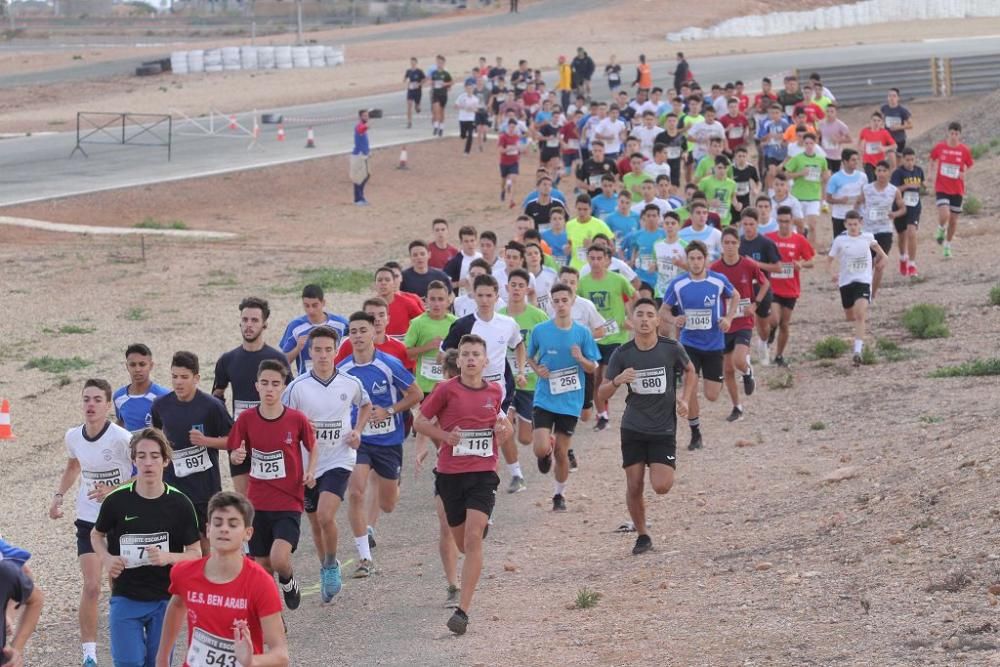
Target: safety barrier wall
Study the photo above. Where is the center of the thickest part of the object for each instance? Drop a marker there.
(840, 16)
(868, 83)
(234, 58)
(972, 74)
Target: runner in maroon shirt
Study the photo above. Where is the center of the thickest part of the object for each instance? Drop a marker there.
(752, 285)
(439, 248)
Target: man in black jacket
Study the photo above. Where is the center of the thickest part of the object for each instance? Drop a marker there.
(682, 73)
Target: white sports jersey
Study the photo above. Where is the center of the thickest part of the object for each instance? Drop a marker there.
(666, 270)
(103, 460)
(877, 207)
(500, 273)
(328, 406)
(466, 305)
(854, 255)
(544, 281)
(583, 312)
(646, 137)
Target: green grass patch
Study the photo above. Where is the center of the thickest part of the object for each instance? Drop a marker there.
(830, 348)
(980, 150)
(781, 380)
(995, 295)
(891, 351)
(926, 320)
(218, 278)
(868, 357)
(972, 205)
(150, 222)
(69, 329)
(817, 426)
(930, 419)
(586, 598)
(354, 281)
(59, 365)
(974, 368)
(136, 314)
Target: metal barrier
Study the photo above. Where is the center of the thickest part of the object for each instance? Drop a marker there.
(867, 83)
(971, 74)
(122, 129)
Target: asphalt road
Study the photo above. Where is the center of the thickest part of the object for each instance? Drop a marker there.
(38, 168)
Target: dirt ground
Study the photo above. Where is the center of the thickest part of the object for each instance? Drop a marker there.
(377, 66)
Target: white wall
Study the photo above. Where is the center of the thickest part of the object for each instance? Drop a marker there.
(840, 16)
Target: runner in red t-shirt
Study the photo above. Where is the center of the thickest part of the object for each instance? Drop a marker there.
(439, 248)
(376, 308)
(874, 141)
(469, 426)
(736, 125)
(743, 273)
(273, 436)
(230, 602)
(950, 160)
(509, 148)
(796, 253)
(402, 307)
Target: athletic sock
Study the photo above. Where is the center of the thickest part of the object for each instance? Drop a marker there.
(89, 650)
(739, 406)
(694, 423)
(858, 345)
(560, 487)
(603, 415)
(904, 258)
(364, 551)
(329, 560)
(515, 470)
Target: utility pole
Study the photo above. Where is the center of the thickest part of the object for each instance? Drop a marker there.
(298, 16)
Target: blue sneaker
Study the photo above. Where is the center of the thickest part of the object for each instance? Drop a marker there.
(89, 662)
(330, 582)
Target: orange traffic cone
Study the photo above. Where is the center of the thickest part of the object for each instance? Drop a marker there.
(5, 430)
(310, 139)
(402, 159)
(256, 129)
(232, 122)
(281, 132)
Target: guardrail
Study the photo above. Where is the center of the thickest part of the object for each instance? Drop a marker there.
(972, 74)
(868, 83)
(123, 129)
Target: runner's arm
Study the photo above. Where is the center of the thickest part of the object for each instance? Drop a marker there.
(276, 642)
(31, 610)
(411, 396)
(172, 620)
(430, 428)
(69, 476)
(689, 386)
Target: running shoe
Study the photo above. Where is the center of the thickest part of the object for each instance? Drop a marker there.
(558, 503)
(545, 463)
(947, 252)
(735, 415)
(516, 485)
(330, 582)
(291, 593)
(89, 662)
(601, 424)
(643, 543)
(459, 622)
(856, 358)
(749, 383)
(911, 270)
(409, 126)
(572, 461)
(695, 441)
(939, 235)
(780, 362)
(371, 537)
(451, 602)
(361, 203)
(364, 569)
(902, 267)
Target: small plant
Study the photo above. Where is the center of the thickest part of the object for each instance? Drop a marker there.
(60, 365)
(972, 205)
(995, 295)
(974, 368)
(891, 351)
(338, 280)
(817, 426)
(586, 598)
(783, 380)
(926, 320)
(868, 357)
(953, 582)
(70, 329)
(930, 419)
(980, 150)
(830, 348)
(136, 314)
(152, 223)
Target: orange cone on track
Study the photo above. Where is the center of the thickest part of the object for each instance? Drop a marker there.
(5, 429)
(310, 139)
(402, 159)
(281, 132)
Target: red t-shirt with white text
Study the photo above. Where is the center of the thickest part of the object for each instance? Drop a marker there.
(212, 609)
(873, 144)
(952, 163)
(510, 145)
(796, 247)
(475, 412)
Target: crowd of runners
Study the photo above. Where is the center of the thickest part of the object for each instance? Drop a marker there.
(659, 253)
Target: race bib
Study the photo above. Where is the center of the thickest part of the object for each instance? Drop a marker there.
(267, 465)
(439, 84)
(501, 98)
(699, 319)
(720, 210)
(91, 478)
(380, 426)
(573, 143)
(878, 213)
(413, 85)
(207, 650)
(673, 152)
(873, 148)
(431, 368)
(742, 187)
(552, 143)
(650, 381)
(787, 271)
(789, 110)
(647, 262)
(827, 142)
(581, 255)
(911, 198)
(134, 548)
(511, 150)
(893, 121)
(813, 173)
(478, 442)
(858, 264)
(610, 327)
(191, 460)
(240, 406)
(328, 433)
(745, 307)
(736, 131)
(564, 381)
(950, 170)
(595, 180)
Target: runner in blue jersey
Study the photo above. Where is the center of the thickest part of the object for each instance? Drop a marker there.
(134, 401)
(640, 244)
(703, 304)
(562, 353)
(622, 220)
(393, 391)
(294, 342)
